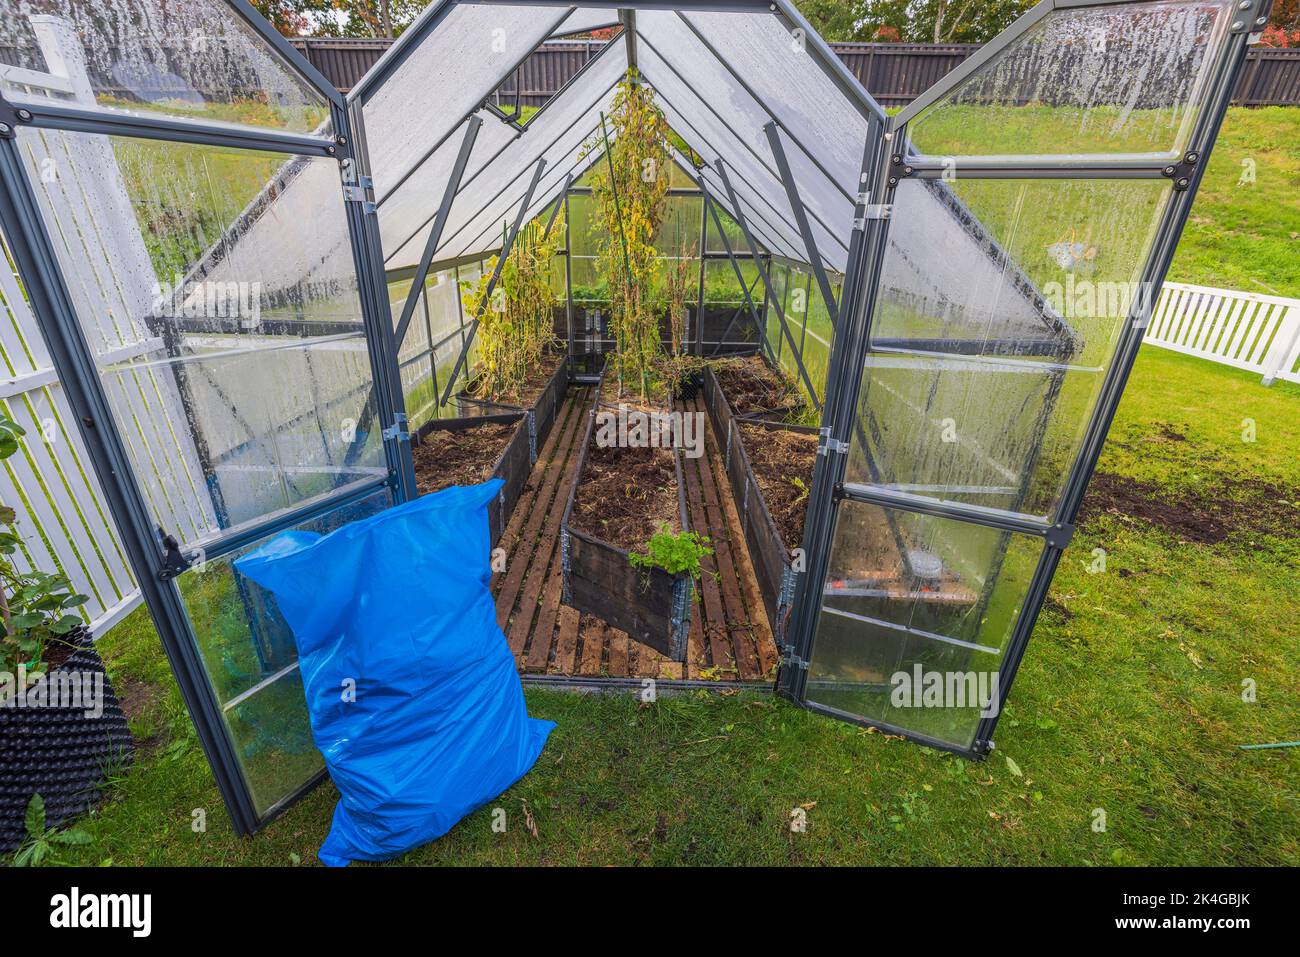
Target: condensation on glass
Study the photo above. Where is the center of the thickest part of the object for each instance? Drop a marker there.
(217, 289)
(189, 59)
(1127, 79)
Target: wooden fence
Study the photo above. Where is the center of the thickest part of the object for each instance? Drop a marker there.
(894, 73)
(1244, 330)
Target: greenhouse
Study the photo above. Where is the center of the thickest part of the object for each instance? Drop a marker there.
(900, 339)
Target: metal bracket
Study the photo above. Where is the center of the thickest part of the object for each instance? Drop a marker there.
(356, 193)
(898, 169)
(398, 429)
(873, 211)
(10, 117)
(830, 445)
(790, 660)
(1059, 535)
(1181, 172)
(174, 562)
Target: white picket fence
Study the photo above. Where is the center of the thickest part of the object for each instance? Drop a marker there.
(1245, 330)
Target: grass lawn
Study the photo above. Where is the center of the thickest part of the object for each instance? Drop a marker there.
(1129, 701)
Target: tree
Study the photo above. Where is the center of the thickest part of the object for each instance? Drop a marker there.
(340, 18)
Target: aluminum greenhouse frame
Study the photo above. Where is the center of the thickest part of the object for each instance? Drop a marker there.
(815, 175)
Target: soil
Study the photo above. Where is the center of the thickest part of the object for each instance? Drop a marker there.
(778, 456)
(1255, 508)
(612, 396)
(531, 391)
(464, 457)
(625, 495)
(750, 385)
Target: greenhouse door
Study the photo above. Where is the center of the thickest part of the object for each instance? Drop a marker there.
(204, 270)
(1026, 213)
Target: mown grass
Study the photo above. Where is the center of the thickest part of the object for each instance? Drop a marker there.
(1129, 701)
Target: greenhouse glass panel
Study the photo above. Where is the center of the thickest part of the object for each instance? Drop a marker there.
(1128, 79)
(251, 662)
(915, 596)
(452, 69)
(999, 309)
(407, 210)
(189, 60)
(217, 288)
(681, 64)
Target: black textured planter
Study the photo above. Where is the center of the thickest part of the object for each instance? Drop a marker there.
(59, 752)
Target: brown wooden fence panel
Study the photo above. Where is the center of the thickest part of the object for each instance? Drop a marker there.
(894, 73)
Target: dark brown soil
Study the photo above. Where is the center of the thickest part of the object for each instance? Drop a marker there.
(778, 457)
(465, 457)
(625, 495)
(1254, 508)
(532, 389)
(751, 386)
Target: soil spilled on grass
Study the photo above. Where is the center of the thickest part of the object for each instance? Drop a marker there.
(626, 494)
(781, 460)
(751, 386)
(1255, 508)
(466, 457)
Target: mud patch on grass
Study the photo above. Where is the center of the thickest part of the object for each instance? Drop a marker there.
(1248, 507)
(141, 703)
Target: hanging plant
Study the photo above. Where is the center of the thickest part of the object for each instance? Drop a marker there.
(629, 198)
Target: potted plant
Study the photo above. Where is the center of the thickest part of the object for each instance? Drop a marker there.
(61, 728)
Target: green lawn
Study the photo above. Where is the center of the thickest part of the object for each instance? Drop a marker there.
(1129, 700)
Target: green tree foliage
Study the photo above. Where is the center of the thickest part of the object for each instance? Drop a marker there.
(340, 18)
(912, 21)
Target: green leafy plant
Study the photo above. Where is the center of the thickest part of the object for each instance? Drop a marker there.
(674, 552)
(629, 191)
(35, 606)
(802, 486)
(41, 844)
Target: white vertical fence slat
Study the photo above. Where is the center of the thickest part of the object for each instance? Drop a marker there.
(1244, 330)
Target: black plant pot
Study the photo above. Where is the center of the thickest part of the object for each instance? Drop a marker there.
(689, 386)
(59, 752)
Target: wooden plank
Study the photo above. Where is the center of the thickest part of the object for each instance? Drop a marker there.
(714, 624)
(566, 642)
(756, 611)
(593, 645)
(618, 653)
(540, 563)
(517, 565)
(510, 537)
(738, 620)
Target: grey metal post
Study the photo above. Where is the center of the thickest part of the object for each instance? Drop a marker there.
(439, 222)
(704, 251)
(801, 217)
(496, 274)
(376, 315)
(767, 281)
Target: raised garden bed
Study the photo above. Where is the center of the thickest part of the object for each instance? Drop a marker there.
(539, 400)
(620, 498)
(468, 451)
(769, 467)
(746, 387)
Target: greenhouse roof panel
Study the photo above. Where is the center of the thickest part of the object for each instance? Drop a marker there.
(554, 132)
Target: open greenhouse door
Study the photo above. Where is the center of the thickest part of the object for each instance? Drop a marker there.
(205, 268)
(1021, 220)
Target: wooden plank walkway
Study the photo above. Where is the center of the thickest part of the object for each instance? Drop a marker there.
(730, 638)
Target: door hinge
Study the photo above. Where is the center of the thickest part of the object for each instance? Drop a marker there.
(791, 660)
(830, 444)
(398, 429)
(356, 193)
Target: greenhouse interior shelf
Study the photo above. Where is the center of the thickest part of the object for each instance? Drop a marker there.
(784, 392)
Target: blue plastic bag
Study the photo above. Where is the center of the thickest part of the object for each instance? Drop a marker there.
(397, 607)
